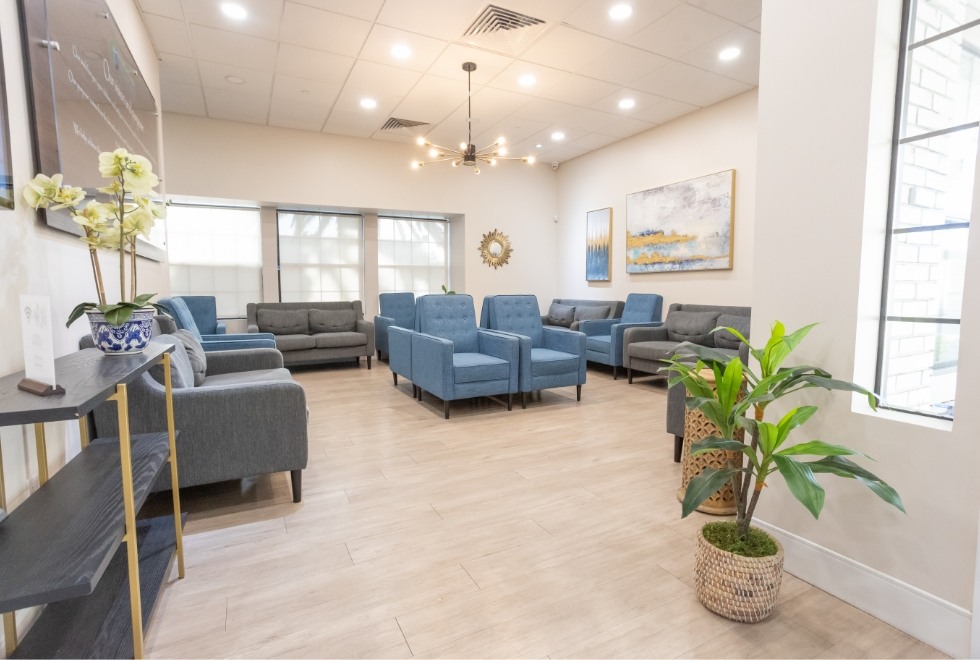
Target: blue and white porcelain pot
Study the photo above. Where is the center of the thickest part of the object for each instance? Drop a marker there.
(126, 339)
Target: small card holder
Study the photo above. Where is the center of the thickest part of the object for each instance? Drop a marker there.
(40, 389)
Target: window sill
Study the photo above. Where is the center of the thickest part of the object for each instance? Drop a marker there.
(860, 406)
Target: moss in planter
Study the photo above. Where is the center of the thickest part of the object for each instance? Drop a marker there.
(755, 544)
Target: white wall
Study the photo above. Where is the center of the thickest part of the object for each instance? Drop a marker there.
(825, 114)
(717, 138)
(220, 159)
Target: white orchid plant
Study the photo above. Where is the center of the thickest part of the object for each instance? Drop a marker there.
(115, 224)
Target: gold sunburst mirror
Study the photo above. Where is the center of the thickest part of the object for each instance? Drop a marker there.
(495, 249)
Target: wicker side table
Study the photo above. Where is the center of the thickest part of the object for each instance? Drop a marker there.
(696, 428)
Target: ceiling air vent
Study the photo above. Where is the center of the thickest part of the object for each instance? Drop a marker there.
(503, 30)
(394, 124)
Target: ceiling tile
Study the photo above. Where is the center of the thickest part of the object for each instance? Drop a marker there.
(302, 116)
(623, 64)
(681, 31)
(182, 98)
(740, 11)
(545, 111)
(664, 111)
(594, 141)
(488, 102)
(567, 49)
(579, 90)
(755, 24)
(744, 68)
(381, 78)
(593, 16)
(516, 131)
(589, 120)
(642, 100)
(313, 64)
(323, 30)
(179, 68)
(235, 106)
(231, 48)
(214, 75)
(349, 100)
(304, 91)
(626, 127)
(262, 20)
(544, 77)
(690, 85)
(366, 9)
(168, 34)
(168, 8)
(424, 50)
(431, 100)
(488, 65)
(343, 122)
(433, 18)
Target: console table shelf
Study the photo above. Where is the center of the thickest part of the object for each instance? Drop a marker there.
(74, 544)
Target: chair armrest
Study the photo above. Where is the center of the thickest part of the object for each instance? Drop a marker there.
(432, 364)
(216, 346)
(226, 362)
(499, 344)
(220, 328)
(252, 327)
(634, 334)
(743, 353)
(367, 327)
(238, 336)
(597, 327)
(562, 339)
(381, 325)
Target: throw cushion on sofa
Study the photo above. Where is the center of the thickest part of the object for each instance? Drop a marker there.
(283, 321)
(695, 327)
(332, 320)
(591, 313)
(725, 339)
(563, 315)
(181, 373)
(195, 354)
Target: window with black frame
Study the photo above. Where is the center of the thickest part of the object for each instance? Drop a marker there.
(933, 190)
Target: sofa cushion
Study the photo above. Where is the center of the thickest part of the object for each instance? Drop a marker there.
(695, 327)
(332, 320)
(195, 354)
(591, 312)
(599, 343)
(283, 321)
(725, 339)
(294, 342)
(245, 377)
(340, 339)
(181, 373)
(652, 350)
(548, 362)
(478, 367)
(563, 315)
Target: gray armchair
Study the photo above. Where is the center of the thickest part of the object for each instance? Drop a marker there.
(247, 417)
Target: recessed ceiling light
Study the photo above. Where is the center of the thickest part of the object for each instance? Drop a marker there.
(527, 80)
(235, 11)
(729, 53)
(369, 104)
(626, 104)
(401, 52)
(557, 136)
(235, 80)
(538, 146)
(620, 12)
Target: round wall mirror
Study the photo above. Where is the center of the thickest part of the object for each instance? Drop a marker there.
(495, 249)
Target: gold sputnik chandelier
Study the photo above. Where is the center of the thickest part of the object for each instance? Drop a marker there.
(468, 154)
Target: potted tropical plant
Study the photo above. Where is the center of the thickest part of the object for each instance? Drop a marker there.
(130, 212)
(738, 568)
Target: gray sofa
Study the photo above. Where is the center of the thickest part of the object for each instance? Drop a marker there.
(644, 349)
(315, 332)
(559, 315)
(246, 416)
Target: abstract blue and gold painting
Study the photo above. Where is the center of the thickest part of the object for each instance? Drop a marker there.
(598, 229)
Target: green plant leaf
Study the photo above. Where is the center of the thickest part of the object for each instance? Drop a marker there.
(738, 335)
(832, 384)
(842, 467)
(704, 353)
(142, 299)
(121, 313)
(767, 434)
(704, 486)
(712, 443)
(730, 385)
(818, 448)
(791, 420)
(80, 309)
(801, 482)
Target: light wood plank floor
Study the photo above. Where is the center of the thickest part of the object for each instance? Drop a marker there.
(547, 532)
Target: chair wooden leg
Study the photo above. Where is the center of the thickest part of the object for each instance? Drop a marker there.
(615, 372)
(296, 476)
(523, 400)
(678, 445)
(629, 375)
(510, 401)
(395, 377)
(445, 408)
(578, 392)
(369, 362)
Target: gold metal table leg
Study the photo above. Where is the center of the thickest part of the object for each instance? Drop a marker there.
(175, 486)
(83, 431)
(42, 453)
(9, 633)
(129, 538)
(3, 488)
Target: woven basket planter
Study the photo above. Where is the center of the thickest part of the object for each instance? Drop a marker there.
(736, 587)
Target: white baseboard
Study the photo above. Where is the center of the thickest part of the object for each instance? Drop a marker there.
(922, 615)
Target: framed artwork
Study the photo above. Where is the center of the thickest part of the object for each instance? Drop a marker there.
(682, 226)
(598, 245)
(6, 164)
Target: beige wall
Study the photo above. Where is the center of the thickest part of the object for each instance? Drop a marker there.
(220, 159)
(825, 114)
(718, 138)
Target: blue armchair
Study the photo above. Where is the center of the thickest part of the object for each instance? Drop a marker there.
(400, 355)
(181, 313)
(396, 309)
(453, 359)
(204, 311)
(604, 338)
(550, 357)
